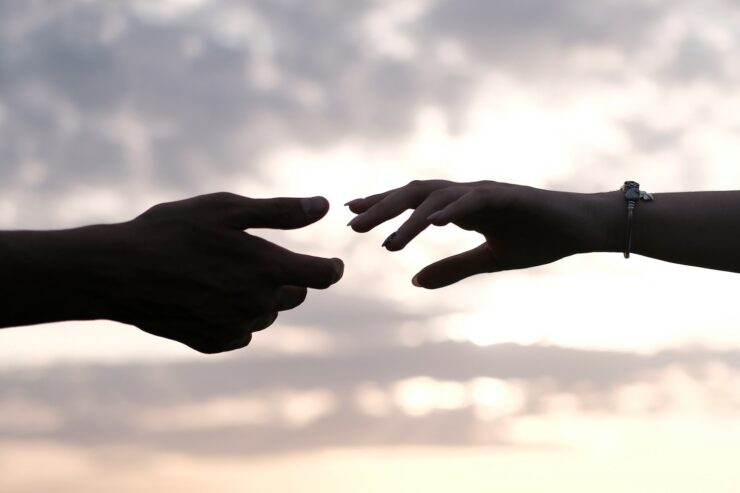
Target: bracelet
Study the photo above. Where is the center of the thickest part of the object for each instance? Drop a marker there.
(632, 195)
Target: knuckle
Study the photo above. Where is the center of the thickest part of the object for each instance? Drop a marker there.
(415, 184)
(228, 201)
(480, 192)
(157, 209)
(225, 197)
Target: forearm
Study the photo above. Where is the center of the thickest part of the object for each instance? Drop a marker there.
(691, 228)
(51, 276)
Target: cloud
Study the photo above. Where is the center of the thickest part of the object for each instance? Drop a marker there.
(133, 101)
(66, 77)
(140, 99)
(239, 405)
(525, 34)
(215, 86)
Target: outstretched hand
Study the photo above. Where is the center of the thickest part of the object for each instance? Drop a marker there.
(190, 272)
(523, 226)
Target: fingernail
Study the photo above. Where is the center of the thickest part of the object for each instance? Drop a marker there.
(389, 240)
(353, 221)
(415, 281)
(314, 207)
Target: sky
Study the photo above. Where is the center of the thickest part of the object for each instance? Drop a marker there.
(517, 381)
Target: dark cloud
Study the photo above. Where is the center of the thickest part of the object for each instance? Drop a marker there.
(697, 60)
(526, 33)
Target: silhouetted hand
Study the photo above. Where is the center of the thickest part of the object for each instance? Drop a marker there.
(190, 273)
(523, 226)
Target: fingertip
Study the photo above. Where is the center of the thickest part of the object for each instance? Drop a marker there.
(357, 225)
(241, 342)
(389, 241)
(356, 207)
(339, 269)
(394, 246)
(303, 296)
(290, 297)
(263, 322)
(422, 280)
(330, 278)
(315, 207)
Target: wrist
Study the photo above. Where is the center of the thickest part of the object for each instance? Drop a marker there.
(605, 223)
(53, 276)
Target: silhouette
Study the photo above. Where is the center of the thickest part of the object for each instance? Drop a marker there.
(525, 227)
(183, 270)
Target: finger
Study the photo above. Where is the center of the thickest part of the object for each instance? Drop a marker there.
(456, 268)
(394, 204)
(289, 297)
(219, 344)
(260, 323)
(241, 341)
(358, 206)
(296, 269)
(276, 213)
(418, 221)
(467, 205)
(244, 334)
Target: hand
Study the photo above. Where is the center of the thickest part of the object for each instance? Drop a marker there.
(523, 226)
(190, 273)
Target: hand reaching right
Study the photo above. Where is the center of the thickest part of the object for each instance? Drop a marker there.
(193, 275)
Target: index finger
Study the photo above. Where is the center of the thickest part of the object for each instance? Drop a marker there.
(277, 213)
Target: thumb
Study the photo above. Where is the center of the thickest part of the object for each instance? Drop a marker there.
(278, 213)
(456, 268)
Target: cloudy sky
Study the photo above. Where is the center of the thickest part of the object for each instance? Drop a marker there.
(511, 381)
